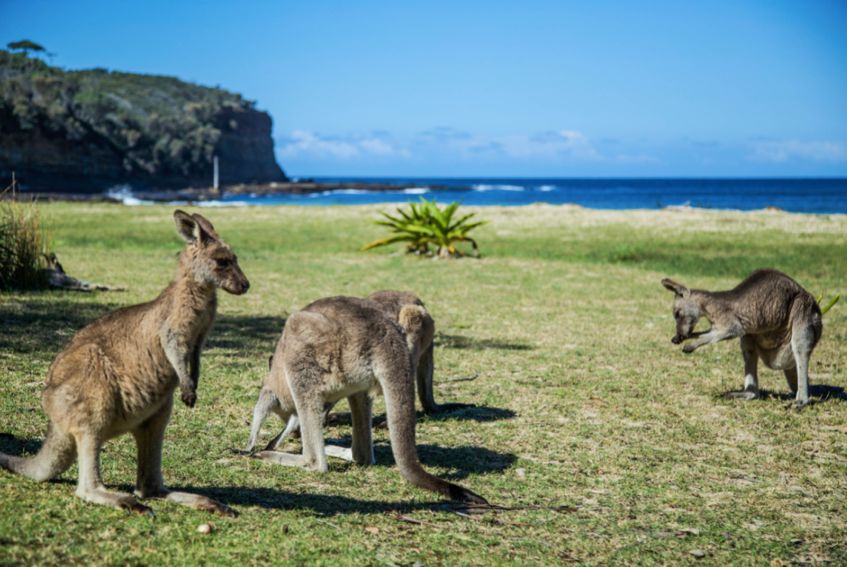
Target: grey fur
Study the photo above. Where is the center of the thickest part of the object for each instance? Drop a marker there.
(777, 321)
(419, 340)
(348, 347)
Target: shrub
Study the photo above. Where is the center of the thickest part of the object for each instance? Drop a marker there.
(427, 229)
(23, 246)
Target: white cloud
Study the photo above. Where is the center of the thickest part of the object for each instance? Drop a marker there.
(552, 146)
(779, 151)
(303, 142)
(567, 143)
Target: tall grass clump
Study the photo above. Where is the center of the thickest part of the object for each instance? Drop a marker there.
(24, 244)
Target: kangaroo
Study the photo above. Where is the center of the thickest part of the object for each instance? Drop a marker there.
(118, 375)
(419, 339)
(347, 347)
(778, 322)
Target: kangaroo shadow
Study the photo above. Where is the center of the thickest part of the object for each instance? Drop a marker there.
(11, 445)
(325, 505)
(817, 392)
(459, 461)
(452, 411)
(462, 342)
(238, 332)
(46, 322)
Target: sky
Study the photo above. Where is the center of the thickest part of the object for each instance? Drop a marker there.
(495, 89)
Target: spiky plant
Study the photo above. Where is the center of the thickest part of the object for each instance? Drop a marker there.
(828, 306)
(428, 229)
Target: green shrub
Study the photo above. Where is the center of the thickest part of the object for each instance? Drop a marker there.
(427, 229)
(24, 245)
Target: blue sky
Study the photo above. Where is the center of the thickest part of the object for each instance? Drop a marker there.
(466, 88)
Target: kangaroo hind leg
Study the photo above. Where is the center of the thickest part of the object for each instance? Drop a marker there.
(149, 437)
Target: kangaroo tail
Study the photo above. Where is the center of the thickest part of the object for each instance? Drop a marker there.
(55, 456)
(400, 407)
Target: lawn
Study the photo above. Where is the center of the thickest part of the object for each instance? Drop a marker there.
(611, 445)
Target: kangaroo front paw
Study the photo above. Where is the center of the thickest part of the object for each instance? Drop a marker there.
(189, 398)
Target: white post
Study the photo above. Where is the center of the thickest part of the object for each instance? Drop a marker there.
(215, 174)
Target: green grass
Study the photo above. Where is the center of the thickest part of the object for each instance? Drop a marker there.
(581, 399)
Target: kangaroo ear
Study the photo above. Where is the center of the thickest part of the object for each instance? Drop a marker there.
(186, 226)
(677, 288)
(206, 227)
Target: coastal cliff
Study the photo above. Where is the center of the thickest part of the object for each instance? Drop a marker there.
(86, 131)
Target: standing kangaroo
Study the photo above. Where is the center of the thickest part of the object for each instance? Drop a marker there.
(420, 332)
(777, 320)
(347, 347)
(119, 373)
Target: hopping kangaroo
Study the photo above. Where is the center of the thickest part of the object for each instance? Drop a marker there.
(778, 322)
(347, 347)
(119, 373)
(420, 332)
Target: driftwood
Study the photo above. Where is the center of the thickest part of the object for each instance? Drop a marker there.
(56, 277)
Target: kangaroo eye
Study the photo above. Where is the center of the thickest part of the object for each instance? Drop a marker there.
(224, 262)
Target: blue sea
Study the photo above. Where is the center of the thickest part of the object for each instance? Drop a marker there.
(796, 195)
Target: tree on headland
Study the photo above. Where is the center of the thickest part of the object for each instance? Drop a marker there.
(26, 46)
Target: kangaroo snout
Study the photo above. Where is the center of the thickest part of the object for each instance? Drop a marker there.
(237, 287)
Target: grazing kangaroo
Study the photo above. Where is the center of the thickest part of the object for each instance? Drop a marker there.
(118, 375)
(419, 339)
(347, 347)
(778, 322)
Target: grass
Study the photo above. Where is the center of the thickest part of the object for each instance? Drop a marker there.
(581, 400)
(23, 245)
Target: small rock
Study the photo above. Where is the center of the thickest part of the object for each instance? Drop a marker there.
(205, 529)
(372, 530)
(697, 553)
(521, 473)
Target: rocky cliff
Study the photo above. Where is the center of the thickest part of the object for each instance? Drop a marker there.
(85, 131)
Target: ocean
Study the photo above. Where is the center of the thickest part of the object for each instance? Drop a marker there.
(796, 195)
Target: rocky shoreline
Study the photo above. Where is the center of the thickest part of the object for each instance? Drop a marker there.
(200, 194)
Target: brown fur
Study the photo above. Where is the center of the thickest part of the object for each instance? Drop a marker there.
(420, 332)
(347, 347)
(118, 375)
(777, 320)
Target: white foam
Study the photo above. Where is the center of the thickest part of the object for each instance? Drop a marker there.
(346, 192)
(485, 187)
(222, 204)
(546, 188)
(123, 194)
(416, 190)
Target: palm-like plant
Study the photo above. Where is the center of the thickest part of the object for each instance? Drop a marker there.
(424, 226)
(828, 306)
